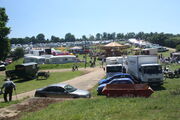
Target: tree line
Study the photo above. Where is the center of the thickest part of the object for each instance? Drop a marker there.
(164, 39)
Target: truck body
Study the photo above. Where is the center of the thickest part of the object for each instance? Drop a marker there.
(114, 60)
(25, 71)
(149, 51)
(36, 59)
(145, 69)
(114, 65)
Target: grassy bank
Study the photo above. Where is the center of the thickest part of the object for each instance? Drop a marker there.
(56, 77)
(164, 104)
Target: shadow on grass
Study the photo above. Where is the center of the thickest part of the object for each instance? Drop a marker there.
(22, 80)
(158, 88)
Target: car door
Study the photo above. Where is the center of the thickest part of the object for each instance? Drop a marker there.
(50, 91)
(61, 93)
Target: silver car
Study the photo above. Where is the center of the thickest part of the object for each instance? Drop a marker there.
(62, 91)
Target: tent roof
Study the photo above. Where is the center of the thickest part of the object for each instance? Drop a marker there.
(76, 48)
(114, 44)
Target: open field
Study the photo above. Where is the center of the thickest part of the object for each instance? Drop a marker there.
(164, 104)
(55, 77)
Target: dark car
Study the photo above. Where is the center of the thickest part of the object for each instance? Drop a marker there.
(119, 75)
(2, 68)
(62, 91)
(114, 81)
(25, 71)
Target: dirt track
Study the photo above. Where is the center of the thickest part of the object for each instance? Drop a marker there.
(85, 82)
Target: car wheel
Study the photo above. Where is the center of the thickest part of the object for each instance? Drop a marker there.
(43, 96)
(75, 96)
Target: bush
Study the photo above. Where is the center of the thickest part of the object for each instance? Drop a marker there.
(18, 53)
(178, 47)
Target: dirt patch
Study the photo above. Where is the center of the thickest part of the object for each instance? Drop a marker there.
(14, 112)
(86, 82)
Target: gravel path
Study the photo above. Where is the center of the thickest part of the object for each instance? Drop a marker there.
(85, 82)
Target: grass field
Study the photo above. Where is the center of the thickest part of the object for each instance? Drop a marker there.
(56, 77)
(25, 86)
(164, 104)
(14, 63)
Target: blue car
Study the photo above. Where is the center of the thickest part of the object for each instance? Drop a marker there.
(119, 75)
(114, 81)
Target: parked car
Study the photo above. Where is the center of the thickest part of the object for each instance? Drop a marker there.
(119, 75)
(114, 81)
(2, 67)
(62, 91)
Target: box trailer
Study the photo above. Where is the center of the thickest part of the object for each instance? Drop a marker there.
(36, 59)
(114, 65)
(25, 71)
(145, 69)
(62, 59)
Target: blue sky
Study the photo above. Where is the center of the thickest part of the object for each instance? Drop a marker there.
(85, 17)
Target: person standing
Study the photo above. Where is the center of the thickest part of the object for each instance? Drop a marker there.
(8, 87)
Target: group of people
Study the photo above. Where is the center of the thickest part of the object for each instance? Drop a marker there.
(92, 61)
(169, 59)
(74, 67)
(7, 89)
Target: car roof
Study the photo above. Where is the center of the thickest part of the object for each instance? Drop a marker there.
(58, 85)
(122, 79)
(27, 64)
(120, 74)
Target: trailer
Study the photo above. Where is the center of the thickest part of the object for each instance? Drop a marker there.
(62, 59)
(114, 65)
(145, 69)
(114, 60)
(149, 51)
(127, 90)
(25, 71)
(36, 59)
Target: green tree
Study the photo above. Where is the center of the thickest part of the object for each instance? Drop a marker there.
(55, 39)
(113, 35)
(120, 35)
(91, 38)
(178, 47)
(84, 37)
(140, 36)
(98, 36)
(69, 37)
(4, 31)
(104, 36)
(40, 38)
(18, 53)
(130, 35)
(33, 40)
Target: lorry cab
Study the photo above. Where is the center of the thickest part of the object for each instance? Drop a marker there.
(151, 74)
(114, 69)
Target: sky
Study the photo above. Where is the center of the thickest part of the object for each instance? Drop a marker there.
(28, 18)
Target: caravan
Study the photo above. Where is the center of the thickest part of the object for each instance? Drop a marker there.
(36, 59)
(62, 59)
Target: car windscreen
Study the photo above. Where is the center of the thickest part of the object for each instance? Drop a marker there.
(114, 69)
(69, 88)
(121, 82)
(152, 69)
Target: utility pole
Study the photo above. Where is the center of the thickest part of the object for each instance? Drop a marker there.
(85, 55)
